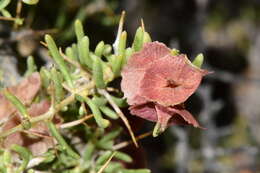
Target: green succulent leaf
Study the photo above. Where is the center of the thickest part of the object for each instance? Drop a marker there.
(57, 81)
(98, 73)
(30, 2)
(99, 101)
(103, 158)
(71, 53)
(135, 171)
(79, 30)
(90, 147)
(45, 77)
(59, 60)
(103, 123)
(83, 52)
(4, 3)
(5, 13)
(147, 38)
(124, 157)
(117, 65)
(55, 133)
(198, 61)
(31, 67)
(108, 112)
(16, 103)
(100, 48)
(138, 39)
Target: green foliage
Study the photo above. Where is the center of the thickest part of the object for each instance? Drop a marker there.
(30, 2)
(198, 61)
(63, 144)
(8, 16)
(138, 40)
(74, 82)
(98, 73)
(25, 154)
(59, 60)
(4, 3)
(31, 67)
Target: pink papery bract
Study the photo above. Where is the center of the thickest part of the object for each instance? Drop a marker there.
(170, 80)
(164, 115)
(134, 71)
(37, 145)
(156, 82)
(25, 91)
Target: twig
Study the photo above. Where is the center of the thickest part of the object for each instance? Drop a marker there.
(65, 102)
(46, 31)
(107, 162)
(142, 25)
(19, 127)
(18, 12)
(119, 112)
(80, 89)
(7, 18)
(35, 161)
(111, 89)
(35, 133)
(44, 44)
(126, 143)
(119, 31)
(76, 122)
(51, 112)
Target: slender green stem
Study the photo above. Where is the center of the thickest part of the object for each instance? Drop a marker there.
(19, 127)
(54, 131)
(51, 112)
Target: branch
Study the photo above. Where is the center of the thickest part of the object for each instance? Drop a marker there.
(119, 112)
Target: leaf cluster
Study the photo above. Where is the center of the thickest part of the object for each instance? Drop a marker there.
(78, 85)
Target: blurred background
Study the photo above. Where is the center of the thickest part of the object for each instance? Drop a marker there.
(227, 103)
